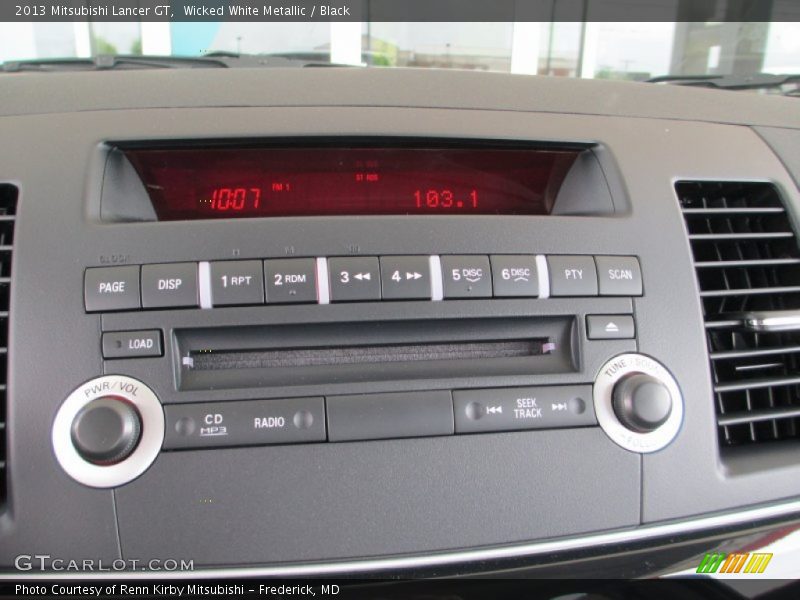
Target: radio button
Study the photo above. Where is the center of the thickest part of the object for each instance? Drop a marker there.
(291, 280)
(237, 282)
(244, 423)
(466, 276)
(390, 415)
(619, 275)
(355, 279)
(514, 276)
(111, 288)
(406, 277)
(132, 344)
(169, 285)
(572, 276)
(511, 409)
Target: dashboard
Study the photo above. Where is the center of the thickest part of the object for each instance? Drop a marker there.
(344, 321)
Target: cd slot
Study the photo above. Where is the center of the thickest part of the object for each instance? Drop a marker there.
(285, 355)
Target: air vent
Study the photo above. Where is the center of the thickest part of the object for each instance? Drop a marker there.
(8, 211)
(748, 270)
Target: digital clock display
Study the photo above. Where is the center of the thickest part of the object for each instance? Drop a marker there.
(225, 182)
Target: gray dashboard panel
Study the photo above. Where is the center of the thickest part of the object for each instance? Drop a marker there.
(57, 161)
(314, 502)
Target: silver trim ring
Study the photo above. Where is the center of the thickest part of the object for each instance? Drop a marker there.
(152, 435)
(610, 373)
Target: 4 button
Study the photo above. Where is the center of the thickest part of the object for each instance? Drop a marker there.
(406, 277)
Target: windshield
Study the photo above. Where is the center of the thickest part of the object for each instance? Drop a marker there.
(633, 51)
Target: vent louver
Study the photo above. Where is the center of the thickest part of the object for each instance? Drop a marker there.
(748, 267)
(8, 211)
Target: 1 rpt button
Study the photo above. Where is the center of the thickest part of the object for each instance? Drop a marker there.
(237, 282)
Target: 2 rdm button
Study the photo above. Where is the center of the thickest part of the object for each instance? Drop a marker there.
(290, 280)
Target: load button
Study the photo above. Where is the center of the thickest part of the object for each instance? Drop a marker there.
(132, 344)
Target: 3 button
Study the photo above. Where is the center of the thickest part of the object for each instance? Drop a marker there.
(354, 279)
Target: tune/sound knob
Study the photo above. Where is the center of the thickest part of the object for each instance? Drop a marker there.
(641, 402)
(106, 431)
(638, 403)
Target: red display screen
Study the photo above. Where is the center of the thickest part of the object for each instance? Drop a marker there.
(221, 183)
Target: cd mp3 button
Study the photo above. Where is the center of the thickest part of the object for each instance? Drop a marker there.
(510, 409)
(354, 279)
(406, 277)
(169, 285)
(572, 276)
(244, 423)
(514, 276)
(111, 288)
(467, 276)
(291, 280)
(237, 282)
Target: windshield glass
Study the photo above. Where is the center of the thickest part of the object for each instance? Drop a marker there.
(633, 51)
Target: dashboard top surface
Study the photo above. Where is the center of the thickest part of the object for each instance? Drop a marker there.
(31, 94)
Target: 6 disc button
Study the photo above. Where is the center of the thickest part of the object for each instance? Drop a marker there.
(514, 276)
